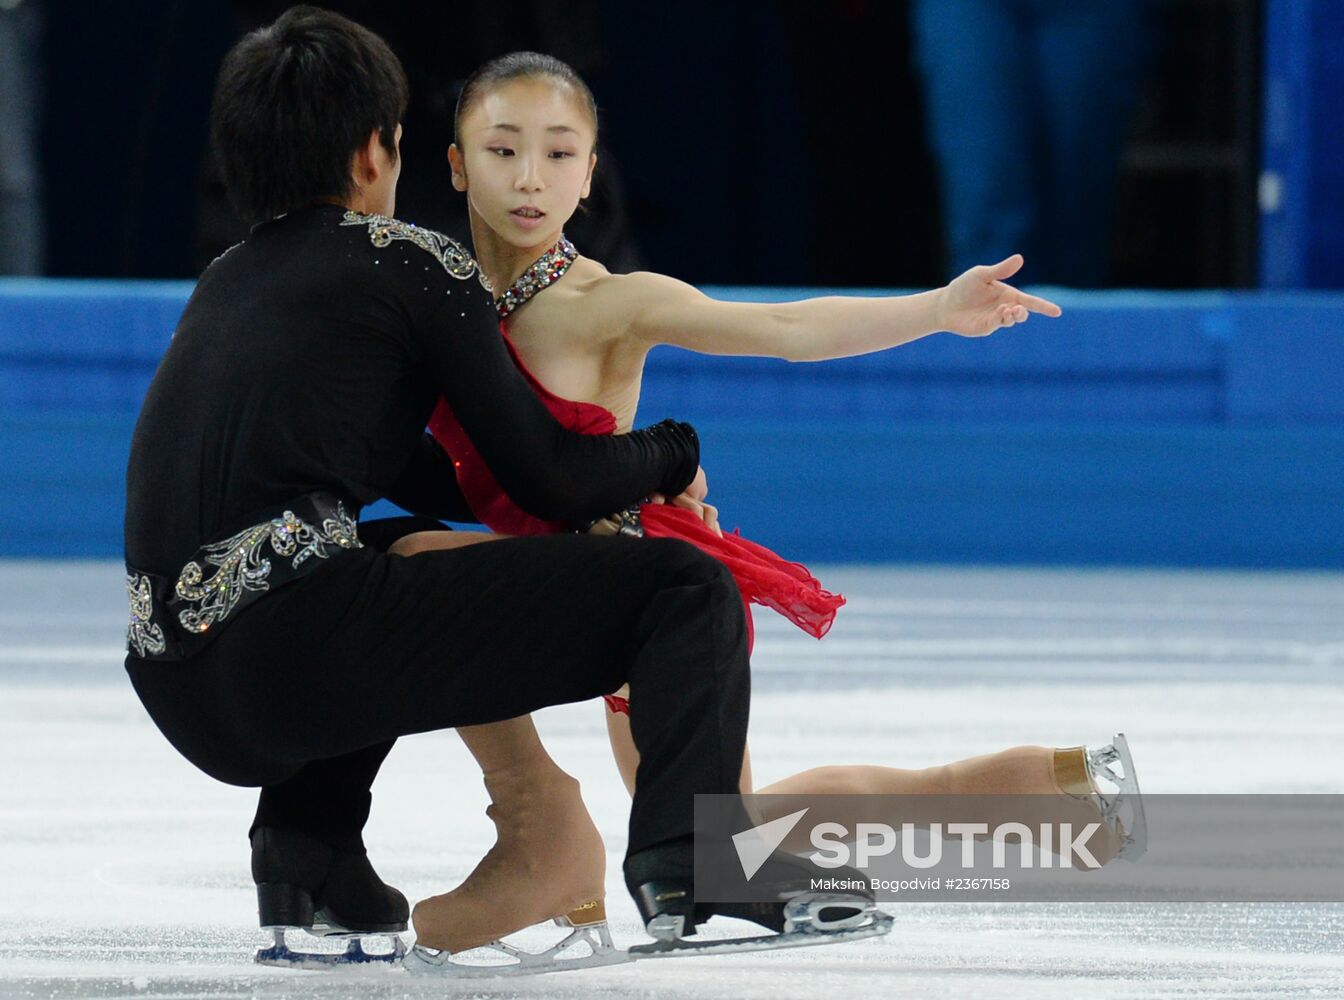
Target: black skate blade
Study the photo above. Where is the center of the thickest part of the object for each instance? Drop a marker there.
(879, 924)
(280, 955)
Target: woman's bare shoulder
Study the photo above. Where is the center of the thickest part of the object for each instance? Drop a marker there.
(606, 299)
(580, 305)
(585, 270)
(623, 297)
(617, 309)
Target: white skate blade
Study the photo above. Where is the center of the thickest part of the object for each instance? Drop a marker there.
(280, 955)
(801, 930)
(587, 946)
(1126, 803)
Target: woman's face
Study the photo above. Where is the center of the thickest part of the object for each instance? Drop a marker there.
(525, 159)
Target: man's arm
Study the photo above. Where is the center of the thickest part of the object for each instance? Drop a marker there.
(550, 472)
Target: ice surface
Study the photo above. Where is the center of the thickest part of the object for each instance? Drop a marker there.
(124, 872)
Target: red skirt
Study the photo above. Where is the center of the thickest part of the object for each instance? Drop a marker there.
(763, 577)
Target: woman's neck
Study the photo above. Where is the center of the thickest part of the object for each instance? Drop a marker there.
(502, 262)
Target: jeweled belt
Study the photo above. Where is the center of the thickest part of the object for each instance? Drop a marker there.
(171, 619)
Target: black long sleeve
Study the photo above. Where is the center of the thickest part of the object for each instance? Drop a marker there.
(310, 357)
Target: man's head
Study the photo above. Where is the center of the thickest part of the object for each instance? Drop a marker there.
(308, 110)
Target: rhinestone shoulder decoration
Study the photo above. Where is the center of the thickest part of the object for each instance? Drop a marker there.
(450, 254)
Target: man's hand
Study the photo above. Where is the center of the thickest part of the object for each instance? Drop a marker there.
(978, 302)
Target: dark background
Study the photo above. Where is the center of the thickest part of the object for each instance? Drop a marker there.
(727, 133)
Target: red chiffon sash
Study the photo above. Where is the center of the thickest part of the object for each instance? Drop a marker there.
(763, 577)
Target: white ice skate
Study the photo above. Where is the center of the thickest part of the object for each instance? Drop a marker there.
(807, 921)
(1123, 806)
(588, 945)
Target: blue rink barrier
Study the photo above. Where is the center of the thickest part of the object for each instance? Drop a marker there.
(1174, 429)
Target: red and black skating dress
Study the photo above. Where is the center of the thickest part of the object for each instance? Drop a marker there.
(762, 576)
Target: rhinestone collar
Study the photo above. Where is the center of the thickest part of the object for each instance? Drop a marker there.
(544, 271)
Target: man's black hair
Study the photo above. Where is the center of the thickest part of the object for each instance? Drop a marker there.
(293, 103)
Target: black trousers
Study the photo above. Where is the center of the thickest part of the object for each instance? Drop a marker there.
(307, 689)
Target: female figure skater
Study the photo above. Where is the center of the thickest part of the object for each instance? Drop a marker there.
(524, 155)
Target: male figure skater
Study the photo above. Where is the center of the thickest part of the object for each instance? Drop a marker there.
(270, 645)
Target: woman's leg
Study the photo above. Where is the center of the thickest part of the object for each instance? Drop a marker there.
(432, 541)
(622, 744)
(1020, 770)
(548, 858)
(1024, 770)
(1028, 784)
(1054, 778)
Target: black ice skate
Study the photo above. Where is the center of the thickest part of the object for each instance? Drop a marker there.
(798, 915)
(305, 884)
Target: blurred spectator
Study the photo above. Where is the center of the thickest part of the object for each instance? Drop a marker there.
(1028, 104)
(22, 242)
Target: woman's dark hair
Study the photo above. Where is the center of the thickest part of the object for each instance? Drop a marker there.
(293, 103)
(519, 66)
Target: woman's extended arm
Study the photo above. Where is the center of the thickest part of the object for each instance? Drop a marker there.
(666, 311)
(549, 471)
